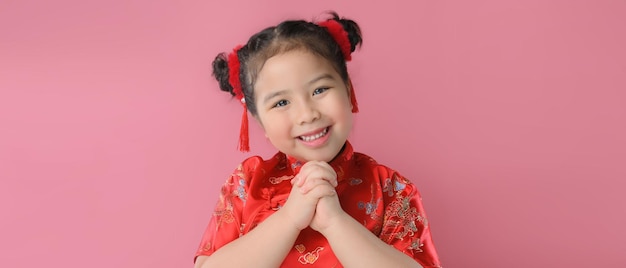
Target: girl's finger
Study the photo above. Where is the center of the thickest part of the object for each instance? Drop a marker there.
(321, 190)
(310, 184)
(315, 170)
(316, 177)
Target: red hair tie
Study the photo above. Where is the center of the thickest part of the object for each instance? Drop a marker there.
(339, 34)
(234, 70)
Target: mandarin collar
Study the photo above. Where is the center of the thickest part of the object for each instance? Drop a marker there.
(338, 163)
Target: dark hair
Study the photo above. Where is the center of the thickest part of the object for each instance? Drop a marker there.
(286, 36)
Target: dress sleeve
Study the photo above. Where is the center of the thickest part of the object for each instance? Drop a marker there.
(224, 225)
(405, 225)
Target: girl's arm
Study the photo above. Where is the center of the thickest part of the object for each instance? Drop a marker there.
(266, 245)
(353, 244)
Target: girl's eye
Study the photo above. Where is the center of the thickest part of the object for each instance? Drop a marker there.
(280, 103)
(320, 90)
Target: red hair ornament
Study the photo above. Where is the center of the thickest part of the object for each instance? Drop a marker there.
(234, 70)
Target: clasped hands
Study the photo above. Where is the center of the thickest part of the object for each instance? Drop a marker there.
(313, 200)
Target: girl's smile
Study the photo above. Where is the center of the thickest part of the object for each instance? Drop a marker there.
(315, 138)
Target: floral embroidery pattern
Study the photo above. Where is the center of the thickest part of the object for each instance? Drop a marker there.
(416, 245)
(397, 185)
(207, 247)
(371, 206)
(404, 216)
(240, 177)
(240, 191)
(309, 257)
(224, 212)
(355, 181)
(387, 187)
(296, 164)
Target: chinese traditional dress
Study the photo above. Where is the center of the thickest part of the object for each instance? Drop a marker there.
(382, 200)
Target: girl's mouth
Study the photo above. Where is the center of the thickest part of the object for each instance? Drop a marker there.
(315, 136)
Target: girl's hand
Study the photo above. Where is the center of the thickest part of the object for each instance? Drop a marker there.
(318, 175)
(300, 208)
(314, 173)
(328, 210)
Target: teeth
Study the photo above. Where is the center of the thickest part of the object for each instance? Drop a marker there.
(314, 137)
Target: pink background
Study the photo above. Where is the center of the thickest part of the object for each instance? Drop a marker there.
(509, 115)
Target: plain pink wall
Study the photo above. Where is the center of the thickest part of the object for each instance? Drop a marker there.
(509, 115)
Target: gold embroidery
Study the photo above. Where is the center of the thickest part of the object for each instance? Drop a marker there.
(310, 257)
(277, 180)
(300, 248)
(225, 216)
(404, 218)
(240, 172)
(207, 247)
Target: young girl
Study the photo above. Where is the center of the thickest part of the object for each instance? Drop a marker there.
(316, 203)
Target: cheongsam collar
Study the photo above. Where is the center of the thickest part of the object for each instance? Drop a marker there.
(339, 163)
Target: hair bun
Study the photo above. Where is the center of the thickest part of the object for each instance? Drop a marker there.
(220, 72)
(353, 30)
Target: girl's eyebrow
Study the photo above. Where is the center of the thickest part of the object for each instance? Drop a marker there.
(320, 77)
(274, 94)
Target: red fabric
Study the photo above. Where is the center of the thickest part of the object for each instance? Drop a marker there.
(385, 202)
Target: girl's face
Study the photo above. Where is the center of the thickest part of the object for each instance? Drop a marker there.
(303, 106)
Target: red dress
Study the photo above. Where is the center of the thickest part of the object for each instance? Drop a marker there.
(386, 203)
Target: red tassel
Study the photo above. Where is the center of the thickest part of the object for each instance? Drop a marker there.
(355, 105)
(244, 139)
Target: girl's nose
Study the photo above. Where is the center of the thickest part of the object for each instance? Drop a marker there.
(308, 113)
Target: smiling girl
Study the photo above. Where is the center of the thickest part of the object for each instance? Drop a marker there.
(316, 203)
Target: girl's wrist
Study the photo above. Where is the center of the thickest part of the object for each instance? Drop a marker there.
(336, 225)
(287, 222)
